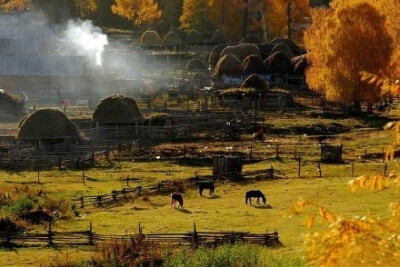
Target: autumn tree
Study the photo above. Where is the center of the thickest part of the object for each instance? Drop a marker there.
(137, 11)
(86, 8)
(196, 15)
(349, 38)
(11, 5)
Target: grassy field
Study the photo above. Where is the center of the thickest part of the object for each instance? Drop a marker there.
(227, 209)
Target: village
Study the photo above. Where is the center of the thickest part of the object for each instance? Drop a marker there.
(124, 148)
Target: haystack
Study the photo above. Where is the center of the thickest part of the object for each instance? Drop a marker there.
(254, 64)
(281, 47)
(117, 109)
(47, 124)
(172, 39)
(215, 54)
(162, 119)
(265, 49)
(200, 77)
(292, 45)
(150, 38)
(194, 37)
(196, 64)
(299, 64)
(10, 104)
(255, 81)
(250, 39)
(241, 51)
(217, 38)
(228, 65)
(279, 62)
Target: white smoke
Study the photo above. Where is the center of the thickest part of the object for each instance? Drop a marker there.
(85, 39)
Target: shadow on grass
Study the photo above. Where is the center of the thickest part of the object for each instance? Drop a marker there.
(184, 211)
(264, 207)
(212, 197)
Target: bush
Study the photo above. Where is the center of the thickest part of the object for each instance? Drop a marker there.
(20, 206)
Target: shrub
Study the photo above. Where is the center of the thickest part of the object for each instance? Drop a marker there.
(20, 206)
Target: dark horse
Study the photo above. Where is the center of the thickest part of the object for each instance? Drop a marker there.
(177, 197)
(255, 193)
(206, 185)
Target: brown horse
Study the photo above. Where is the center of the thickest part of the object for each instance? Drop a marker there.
(177, 197)
(255, 193)
(206, 185)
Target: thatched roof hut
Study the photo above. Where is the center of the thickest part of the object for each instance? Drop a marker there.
(215, 54)
(117, 109)
(10, 104)
(254, 64)
(196, 64)
(241, 51)
(255, 81)
(228, 65)
(161, 119)
(194, 37)
(250, 39)
(299, 64)
(265, 49)
(150, 38)
(217, 38)
(282, 47)
(279, 62)
(289, 42)
(47, 124)
(172, 39)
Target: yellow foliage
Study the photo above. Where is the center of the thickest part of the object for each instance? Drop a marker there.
(138, 11)
(11, 5)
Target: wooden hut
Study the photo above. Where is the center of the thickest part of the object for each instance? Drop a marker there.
(194, 37)
(150, 39)
(331, 154)
(47, 127)
(172, 41)
(227, 166)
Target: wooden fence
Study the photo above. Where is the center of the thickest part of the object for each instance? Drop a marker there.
(89, 237)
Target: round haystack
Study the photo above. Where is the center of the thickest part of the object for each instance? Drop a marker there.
(196, 64)
(117, 109)
(215, 54)
(255, 81)
(194, 37)
(292, 45)
(217, 38)
(46, 124)
(241, 51)
(162, 119)
(150, 38)
(279, 62)
(281, 47)
(200, 77)
(265, 49)
(172, 39)
(254, 64)
(250, 39)
(228, 65)
(299, 64)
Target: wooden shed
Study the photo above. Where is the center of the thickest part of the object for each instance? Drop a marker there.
(228, 166)
(331, 154)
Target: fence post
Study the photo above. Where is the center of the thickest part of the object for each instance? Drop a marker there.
(385, 169)
(114, 194)
(299, 166)
(108, 153)
(127, 181)
(83, 178)
(319, 169)
(195, 237)
(90, 234)
(99, 200)
(277, 151)
(50, 235)
(8, 234)
(82, 202)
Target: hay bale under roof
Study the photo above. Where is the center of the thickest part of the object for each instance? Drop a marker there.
(196, 64)
(241, 51)
(160, 119)
(194, 37)
(150, 38)
(46, 124)
(117, 109)
(172, 39)
(217, 38)
(279, 62)
(292, 45)
(215, 54)
(254, 64)
(255, 81)
(250, 39)
(299, 64)
(281, 47)
(228, 65)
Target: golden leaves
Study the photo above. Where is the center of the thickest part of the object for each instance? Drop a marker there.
(138, 11)
(386, 85)
(375, 182)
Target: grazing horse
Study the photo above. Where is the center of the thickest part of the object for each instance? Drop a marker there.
(255, 193)
(206, 185)
(177, 197)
